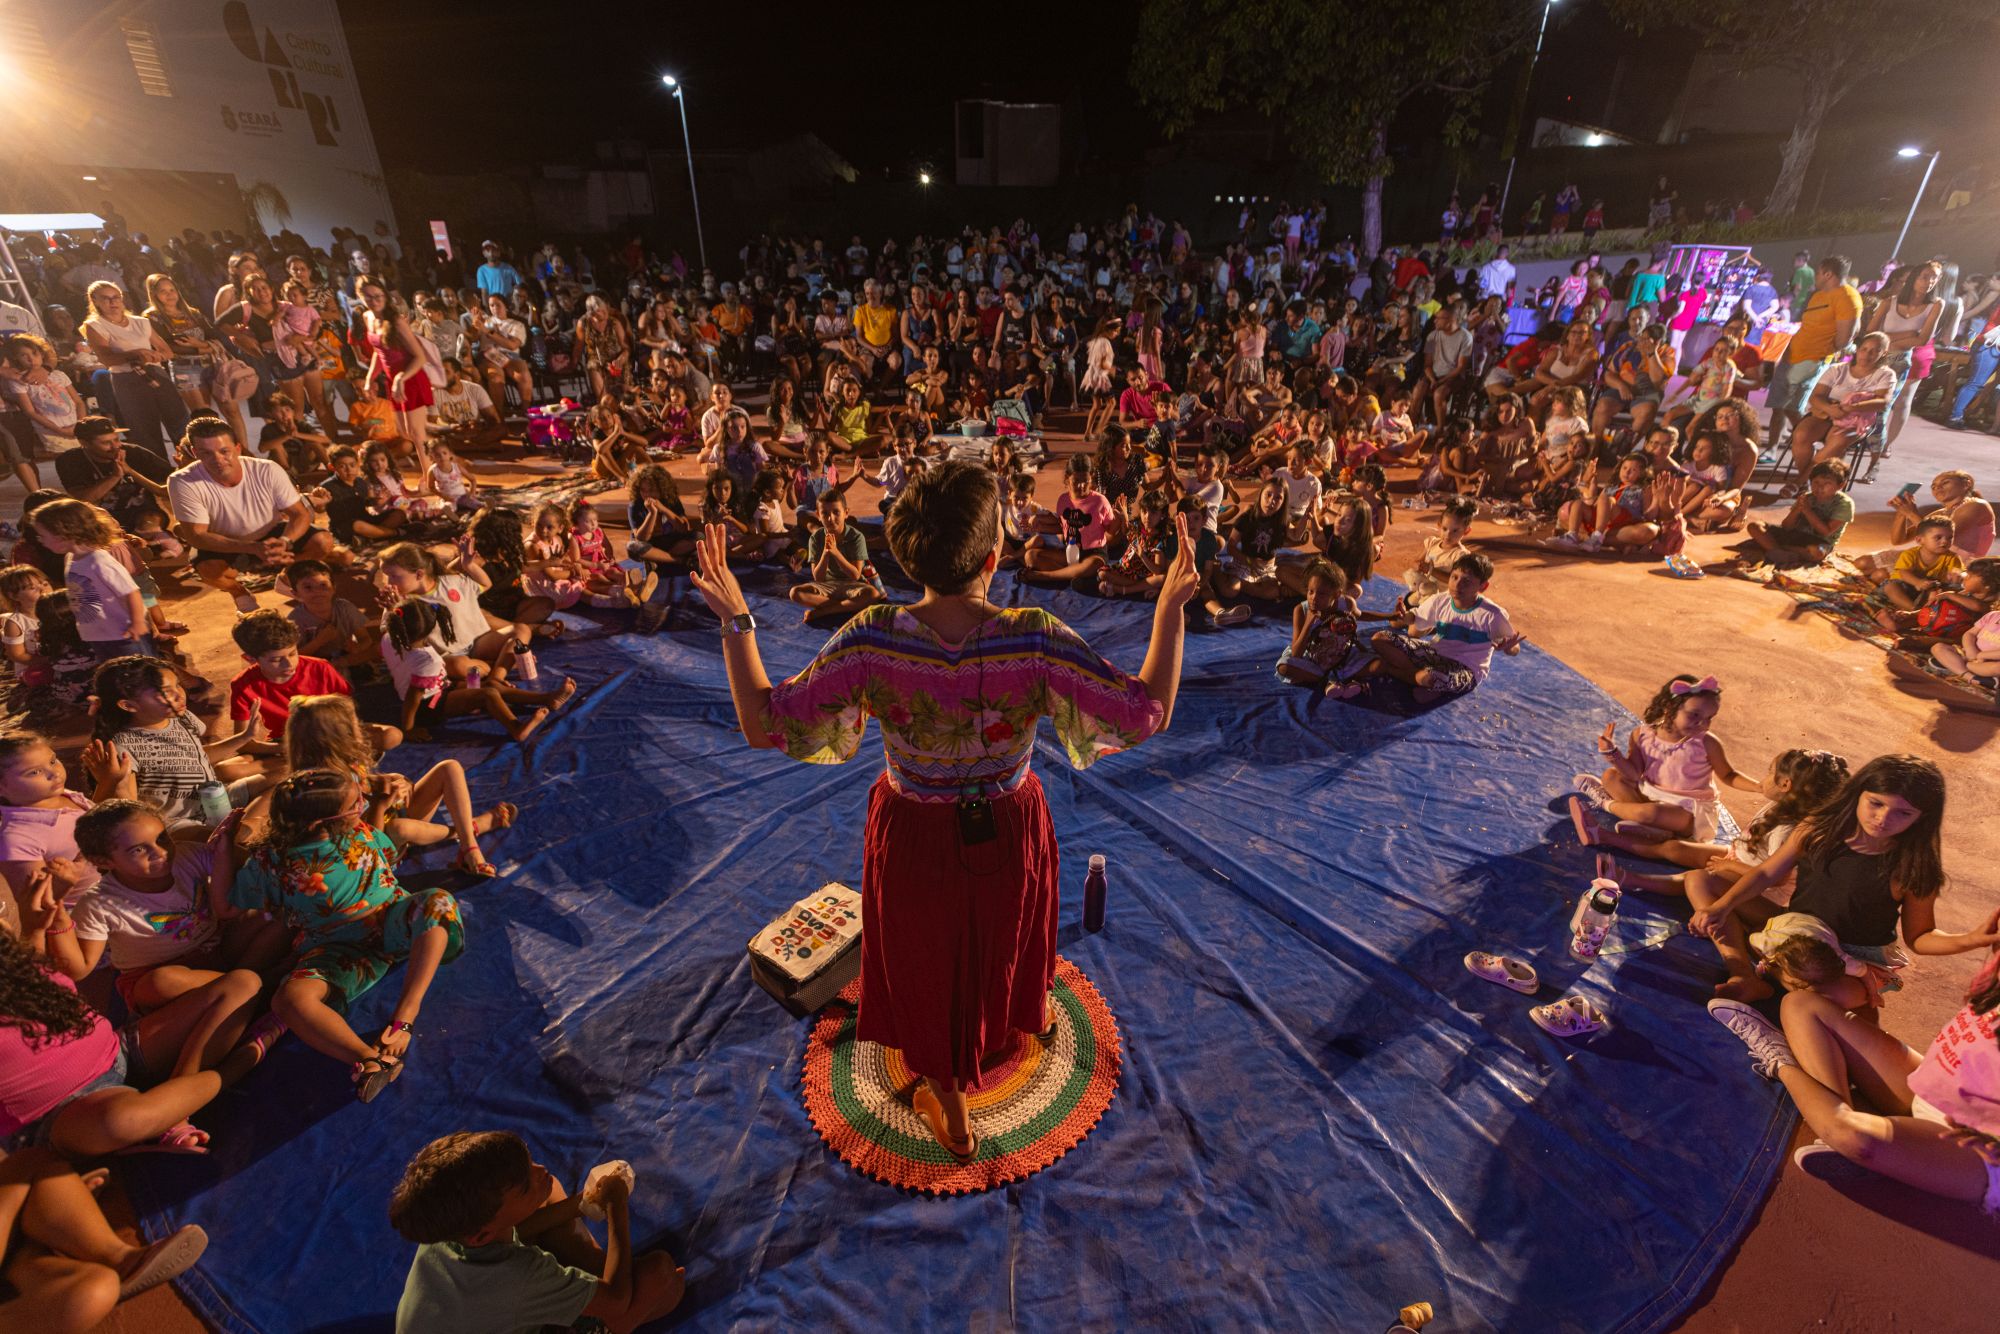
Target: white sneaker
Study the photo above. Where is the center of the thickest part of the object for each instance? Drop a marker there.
(1591, 788)
(1822, 1162)
(1769, 1051)
(1595, 542)
(1567, 541)
(1235, 615)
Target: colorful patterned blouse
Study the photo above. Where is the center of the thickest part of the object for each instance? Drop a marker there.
(958, 718)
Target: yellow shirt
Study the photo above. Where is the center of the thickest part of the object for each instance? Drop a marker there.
(876, 323)
(1824, 310)
(1913, 565)
(851, 424)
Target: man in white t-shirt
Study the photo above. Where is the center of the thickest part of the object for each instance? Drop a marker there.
(1496, 274)
(462, 412)
(240, 513)
(1447, 353)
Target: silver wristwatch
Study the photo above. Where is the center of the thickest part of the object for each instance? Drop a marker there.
(741, 624)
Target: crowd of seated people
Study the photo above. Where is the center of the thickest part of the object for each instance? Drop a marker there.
(300, 429)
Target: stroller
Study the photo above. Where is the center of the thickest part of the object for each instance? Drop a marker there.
(557, 427)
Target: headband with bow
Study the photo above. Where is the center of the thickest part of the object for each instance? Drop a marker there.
(1708, 685)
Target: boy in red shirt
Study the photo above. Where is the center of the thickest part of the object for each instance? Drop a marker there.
(279, 673)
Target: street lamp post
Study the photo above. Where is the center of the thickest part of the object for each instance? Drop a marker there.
(1521, 110)
(1929, 167)
(680, 96)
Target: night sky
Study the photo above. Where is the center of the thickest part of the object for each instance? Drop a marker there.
(876, 82)
(543, 82)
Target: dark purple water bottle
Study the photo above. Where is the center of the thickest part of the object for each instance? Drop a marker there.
(1093, 895)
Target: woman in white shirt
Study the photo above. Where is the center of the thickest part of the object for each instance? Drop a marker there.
(149, 406)
(1847, 402)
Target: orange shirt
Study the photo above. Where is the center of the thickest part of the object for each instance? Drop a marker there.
(1814, 340)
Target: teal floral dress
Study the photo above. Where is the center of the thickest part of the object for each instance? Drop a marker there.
(341, 892)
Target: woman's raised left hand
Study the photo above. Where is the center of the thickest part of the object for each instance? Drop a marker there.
(713, 578)
(1181, 582)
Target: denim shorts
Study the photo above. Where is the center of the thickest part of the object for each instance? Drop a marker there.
(126, 1064)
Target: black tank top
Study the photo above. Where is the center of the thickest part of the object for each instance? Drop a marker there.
(1851, 894)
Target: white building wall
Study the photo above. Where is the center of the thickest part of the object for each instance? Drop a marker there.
(262, 90)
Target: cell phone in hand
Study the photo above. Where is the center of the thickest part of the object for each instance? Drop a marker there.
(1909, 489)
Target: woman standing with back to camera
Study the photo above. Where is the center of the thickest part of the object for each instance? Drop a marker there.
(959, 872)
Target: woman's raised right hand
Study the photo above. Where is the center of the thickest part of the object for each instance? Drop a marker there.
(713, 578)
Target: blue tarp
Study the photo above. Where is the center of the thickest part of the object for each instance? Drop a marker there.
(1322, 1115)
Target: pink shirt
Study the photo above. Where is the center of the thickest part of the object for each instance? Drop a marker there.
(36, 833)
(1960, 1074)
(34, 1079)
(1677, 766)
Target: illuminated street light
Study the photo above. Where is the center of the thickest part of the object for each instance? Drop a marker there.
(1929, 167)
(680, 96)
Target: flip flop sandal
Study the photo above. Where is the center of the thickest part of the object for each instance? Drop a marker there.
(166, 1259)
(264, 1035)
(1503, 971)
(552, 629)
(183, 1140)
(1570, 1017)
(504, 815)
(925, 1103)
(369, 1083)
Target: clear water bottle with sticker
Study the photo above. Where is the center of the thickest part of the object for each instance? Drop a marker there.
(212, 799)
(1595, 911)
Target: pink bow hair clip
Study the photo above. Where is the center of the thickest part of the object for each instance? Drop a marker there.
(1708, 685)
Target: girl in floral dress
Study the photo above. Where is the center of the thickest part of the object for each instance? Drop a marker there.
(959, 867)
(328, 867)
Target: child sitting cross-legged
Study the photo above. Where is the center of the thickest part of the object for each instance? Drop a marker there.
(1323, 630)
(1664, 785)
(279, 673)
(1928, 565)
(1799, 782)
(1444, 647)
(326, 865)
(1140, 570)
(1813, 526)
(325, 734)
(149, 912)
(502, 1246)
(413, 649)
(843, 579)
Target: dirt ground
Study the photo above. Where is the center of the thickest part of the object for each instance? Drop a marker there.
(1879, 1258)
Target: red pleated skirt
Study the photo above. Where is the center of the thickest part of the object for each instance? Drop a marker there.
(958, 943)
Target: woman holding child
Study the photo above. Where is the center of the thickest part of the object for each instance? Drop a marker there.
(960, 869)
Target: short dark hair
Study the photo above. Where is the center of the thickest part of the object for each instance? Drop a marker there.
(344, 452)
(204, 426)
(264, 631)
(1935, 521)
(1837, 265)
(1833, 468)
(306, 569)
(945, 524)
(455, 1185)
(95, 826)
(89, 428)
(1478, 564)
